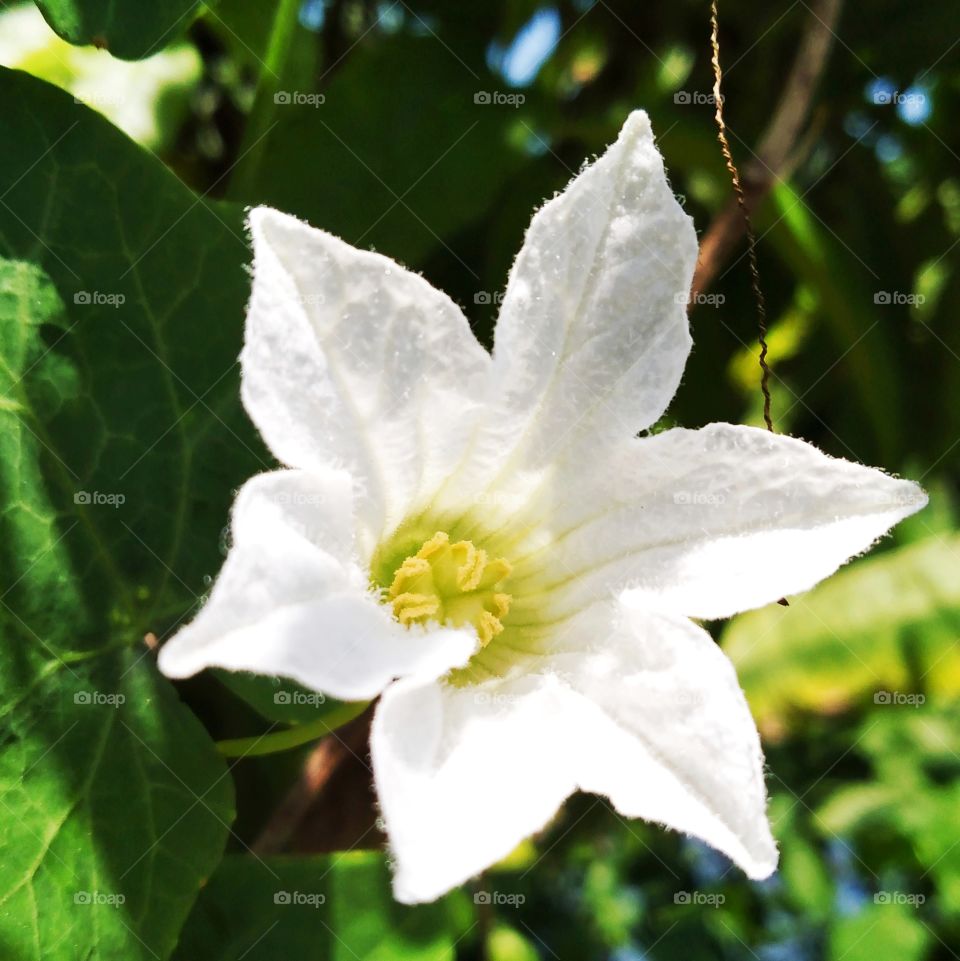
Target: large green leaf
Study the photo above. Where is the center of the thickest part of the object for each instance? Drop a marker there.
(115, 804)
(128, 398)
(336, 908)
(876, 628)
(114, 807)
(121, 298)
(128, 30)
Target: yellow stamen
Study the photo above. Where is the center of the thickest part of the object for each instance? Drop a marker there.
(452, 584)
(409, 608)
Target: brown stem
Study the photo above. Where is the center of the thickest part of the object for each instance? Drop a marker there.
(331, 755)
(777, 152)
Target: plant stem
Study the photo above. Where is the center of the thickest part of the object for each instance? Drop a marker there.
(250, 156)
(294, 736)
(325, 760)
(777, 153)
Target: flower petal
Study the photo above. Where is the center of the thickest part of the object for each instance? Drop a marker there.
(714, 521)
(351, 360)
(648, 713)
(291, 599)
(464, 774)
(593, 336)
(679, 746)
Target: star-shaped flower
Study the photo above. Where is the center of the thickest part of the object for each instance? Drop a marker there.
(485, 543)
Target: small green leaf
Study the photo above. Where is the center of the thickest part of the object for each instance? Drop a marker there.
(508, 944)
(856, 806)
(806, 877)
(880, 932)
(130, 31)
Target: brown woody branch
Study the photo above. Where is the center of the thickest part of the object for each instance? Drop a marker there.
(778, 153)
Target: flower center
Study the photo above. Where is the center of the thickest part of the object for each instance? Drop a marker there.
(454, 584)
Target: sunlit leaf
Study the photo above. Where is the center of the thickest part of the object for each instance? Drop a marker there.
(122, 438)
(866, 634)
(880, 932)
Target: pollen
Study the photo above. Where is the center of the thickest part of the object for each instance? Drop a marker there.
(455, 584)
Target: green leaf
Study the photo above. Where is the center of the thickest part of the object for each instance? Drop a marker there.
(507, 944)
(880, 932)
(121, 298)
(336, 908)
(873, 628)
(130, 31)
(130, 436)
(857, 806)
(916, 792)
(114, 804)
(806, 877)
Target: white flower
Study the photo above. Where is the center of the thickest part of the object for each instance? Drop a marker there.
(484, 542)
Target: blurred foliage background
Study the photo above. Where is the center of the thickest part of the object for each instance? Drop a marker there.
(429, 130)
